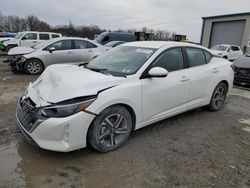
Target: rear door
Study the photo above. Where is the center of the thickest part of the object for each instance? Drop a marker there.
(163, 96)
(63, 53)
(201, 73)
(29, 39)
(84, 50)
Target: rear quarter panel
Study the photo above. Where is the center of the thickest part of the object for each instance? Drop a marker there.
(225, 73)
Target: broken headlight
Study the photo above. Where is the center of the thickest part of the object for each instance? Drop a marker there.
(65, 110)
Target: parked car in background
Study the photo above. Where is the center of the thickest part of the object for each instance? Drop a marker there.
(5, 36)
(28, 39)
(230, 52)
(242, 70)
(106, 37)
(113, 44)
(124, 89)
(59, 50)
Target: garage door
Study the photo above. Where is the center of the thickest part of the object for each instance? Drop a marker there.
(230, 32)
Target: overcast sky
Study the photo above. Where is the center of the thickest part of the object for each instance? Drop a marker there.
(181, 16)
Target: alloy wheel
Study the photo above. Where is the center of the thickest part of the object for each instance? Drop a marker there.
(113, 130)
(219, 97)
(33, 67)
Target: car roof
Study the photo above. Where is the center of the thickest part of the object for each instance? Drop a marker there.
(74, 38)
(160, 44)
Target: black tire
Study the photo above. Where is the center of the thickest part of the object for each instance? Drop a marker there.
(218, 98)
(110, 129)
(33, 66)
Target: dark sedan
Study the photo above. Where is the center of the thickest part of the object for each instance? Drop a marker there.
(242, 70)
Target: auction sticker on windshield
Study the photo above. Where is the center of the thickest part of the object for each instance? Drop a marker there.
(145, 51)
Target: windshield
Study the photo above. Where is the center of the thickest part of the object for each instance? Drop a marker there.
(220, 48)
(122, 60)
(19, 35)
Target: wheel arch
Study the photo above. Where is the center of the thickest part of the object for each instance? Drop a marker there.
(128, 107)
(33, 58)
(226, 83)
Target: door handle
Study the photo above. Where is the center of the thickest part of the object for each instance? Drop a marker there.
(90, 51)
(184, 79)
(215, 70)
(34, 41)
(70, 52)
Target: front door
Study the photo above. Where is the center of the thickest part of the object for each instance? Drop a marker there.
(29, 39)
(63, 53)
(164, 96)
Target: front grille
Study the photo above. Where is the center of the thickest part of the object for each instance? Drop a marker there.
(26, 114)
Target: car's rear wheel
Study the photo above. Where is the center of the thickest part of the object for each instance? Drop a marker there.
(110, 129)
(33, 66)
(218, 97)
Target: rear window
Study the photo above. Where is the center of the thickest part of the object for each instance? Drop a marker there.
(196, 57)
(55, 36)
(44, 36)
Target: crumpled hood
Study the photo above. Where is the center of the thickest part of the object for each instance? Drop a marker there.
(20, 50)
(63, 82)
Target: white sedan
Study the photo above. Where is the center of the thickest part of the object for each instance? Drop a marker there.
(131, 86)
(230, 52)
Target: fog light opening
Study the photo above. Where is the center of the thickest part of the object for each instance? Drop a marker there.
(66, 135)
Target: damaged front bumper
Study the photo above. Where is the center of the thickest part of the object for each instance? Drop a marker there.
(56, 134)
(15, 62)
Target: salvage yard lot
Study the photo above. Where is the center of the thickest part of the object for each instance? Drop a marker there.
(194, 149)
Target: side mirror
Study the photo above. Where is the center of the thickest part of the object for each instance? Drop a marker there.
(52, 49)
(157, 72)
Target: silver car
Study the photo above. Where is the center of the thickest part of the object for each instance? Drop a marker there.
(59, 50)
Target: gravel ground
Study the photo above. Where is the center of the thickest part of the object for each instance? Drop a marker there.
(195, 149)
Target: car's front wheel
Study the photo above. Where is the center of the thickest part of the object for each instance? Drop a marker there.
(110, 129)
(33, 66)
(218, 98)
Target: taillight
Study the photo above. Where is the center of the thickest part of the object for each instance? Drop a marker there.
(233, 67)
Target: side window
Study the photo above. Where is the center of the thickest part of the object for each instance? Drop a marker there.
(90, 45)
(30, 36)
(55, 36)
(235, 48)
(195, 57)
(61, 45)
(43, 36)
(171, 60)
(207, 56)
(229, 49)
(80, 44)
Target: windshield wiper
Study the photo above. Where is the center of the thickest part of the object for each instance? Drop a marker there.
(101, 70)
(83, 64)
